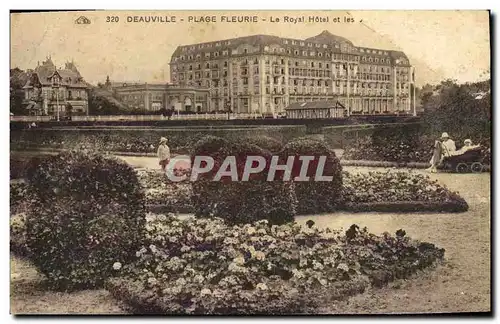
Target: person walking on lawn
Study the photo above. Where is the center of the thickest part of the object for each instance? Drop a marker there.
(163, 153)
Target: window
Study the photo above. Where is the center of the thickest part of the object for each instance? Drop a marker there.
(301, 43)
(320, 54)
(309, 44)
(216, 54)
(245, 51)
(325, 46)
(304, 53)
(285, 42)
(361, 50)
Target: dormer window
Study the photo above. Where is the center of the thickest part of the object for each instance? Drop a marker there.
(55, 80)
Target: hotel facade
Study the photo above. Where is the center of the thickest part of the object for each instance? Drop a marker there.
(265, 74)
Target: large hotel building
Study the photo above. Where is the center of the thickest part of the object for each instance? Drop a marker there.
(265, 74)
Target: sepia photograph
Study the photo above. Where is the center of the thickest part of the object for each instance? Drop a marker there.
(273, 162)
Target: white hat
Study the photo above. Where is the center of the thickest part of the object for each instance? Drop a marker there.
(467, 141)
(445, 135)
(163, 139)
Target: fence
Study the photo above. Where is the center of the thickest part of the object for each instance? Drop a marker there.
(139, 117)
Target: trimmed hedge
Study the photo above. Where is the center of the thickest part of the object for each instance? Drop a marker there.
(87, 212)
(238, 201)
(137, 140)
(314, 196)
(268, 143)
(457, 206)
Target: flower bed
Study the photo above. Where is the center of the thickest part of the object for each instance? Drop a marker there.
(202, 266)
(364, 192)
(399, 192)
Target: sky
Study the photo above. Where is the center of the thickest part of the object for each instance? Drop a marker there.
(441, 44)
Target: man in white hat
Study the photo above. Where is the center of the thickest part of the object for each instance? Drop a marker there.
(448, 144)
(163, 153)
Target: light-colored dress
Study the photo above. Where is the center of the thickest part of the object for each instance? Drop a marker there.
(437, 153)
(163, 152)
(449, 147)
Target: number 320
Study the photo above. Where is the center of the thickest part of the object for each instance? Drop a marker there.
(112, 19)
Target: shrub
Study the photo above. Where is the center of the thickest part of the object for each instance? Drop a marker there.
(205, 266)
(19, 198)
(265, 142)
(88, 212)
(404, 145)
(238, 201)
(18, 244)
(315, 196)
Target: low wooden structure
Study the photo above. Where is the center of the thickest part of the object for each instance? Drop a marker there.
(316, 110)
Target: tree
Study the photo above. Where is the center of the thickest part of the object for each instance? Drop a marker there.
(456, 109)
(18, 79)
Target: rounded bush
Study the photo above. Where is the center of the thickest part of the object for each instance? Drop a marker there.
(265, 142)
(240, 201)
(87, 213)
(314, 196)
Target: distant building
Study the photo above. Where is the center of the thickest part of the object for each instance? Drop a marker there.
(49, 90)
(315, 110)
(157, 96)
(265, 74)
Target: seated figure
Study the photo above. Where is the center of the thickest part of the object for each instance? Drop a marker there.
(467, 146)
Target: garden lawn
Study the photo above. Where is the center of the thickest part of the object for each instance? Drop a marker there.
(462, 284)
